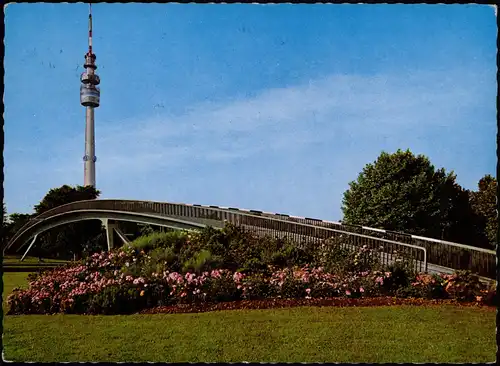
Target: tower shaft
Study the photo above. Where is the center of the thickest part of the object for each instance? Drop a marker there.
(90, 99)
(89, 163)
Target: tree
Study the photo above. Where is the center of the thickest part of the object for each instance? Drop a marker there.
(404, 192)
(12, 224)
(70, 239)
(484, 205)
(64, 195)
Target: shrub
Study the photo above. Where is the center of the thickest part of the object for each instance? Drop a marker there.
(117, 300)
(288, 254)
(423, 286)
(160, 259)
(464, 286)
(172, 239)
(146, 230)
(401, 275)
(256, 286)
(363, 259)
(202, 261)
(130, 279)
(330, 254)
(223, 288)
(253, 265)
(134, 269)
(337, 254)
(489, 295)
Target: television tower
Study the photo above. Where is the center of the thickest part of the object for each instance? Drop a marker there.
(89, 98)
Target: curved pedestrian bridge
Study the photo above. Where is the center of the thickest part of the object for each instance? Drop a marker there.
(427, 254)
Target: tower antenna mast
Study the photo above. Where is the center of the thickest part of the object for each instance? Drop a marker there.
(90, 98)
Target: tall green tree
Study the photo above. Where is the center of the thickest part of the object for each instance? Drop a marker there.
(71, 239)
(64, 195)
(404, 192)
(483, 202)
(12, 224)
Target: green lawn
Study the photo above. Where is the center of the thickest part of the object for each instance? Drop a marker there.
(12, 280)
(307, 334)
(16, 260)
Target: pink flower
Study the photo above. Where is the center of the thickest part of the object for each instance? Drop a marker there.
(308, 291)
(215, 274)
(361, 289)
(348, 293)
(237, 276)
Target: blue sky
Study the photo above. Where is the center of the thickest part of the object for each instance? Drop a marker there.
(268, 107)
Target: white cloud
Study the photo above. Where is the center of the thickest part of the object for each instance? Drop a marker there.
(281, 120)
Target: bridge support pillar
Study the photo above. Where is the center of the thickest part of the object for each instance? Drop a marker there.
(110, 226)
(27, 250)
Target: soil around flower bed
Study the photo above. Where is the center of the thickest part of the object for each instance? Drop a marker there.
(289, 303)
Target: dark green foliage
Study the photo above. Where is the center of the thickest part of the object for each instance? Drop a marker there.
(222, 289)
(72, 239)
(171, 239)
(292, 288)
(117, 300)
(166, 255)
(146, 230)
(235, 249)
(484, 205)
(11, 226)
(426, 287)
(202, 261)
(336, 257)
(404, 192)
(401, 276)
(465, 286)
(65, 194)
(260, 288)
(135, 269)
(285, 253)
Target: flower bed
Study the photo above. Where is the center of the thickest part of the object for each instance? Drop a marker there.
(119, 282)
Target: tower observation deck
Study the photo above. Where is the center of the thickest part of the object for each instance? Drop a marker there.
(90, 98)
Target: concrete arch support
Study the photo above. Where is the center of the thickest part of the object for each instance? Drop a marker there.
(31, 244)
(110, 226)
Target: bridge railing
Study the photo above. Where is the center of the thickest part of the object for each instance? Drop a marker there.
(441, 253)
(299, 232)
